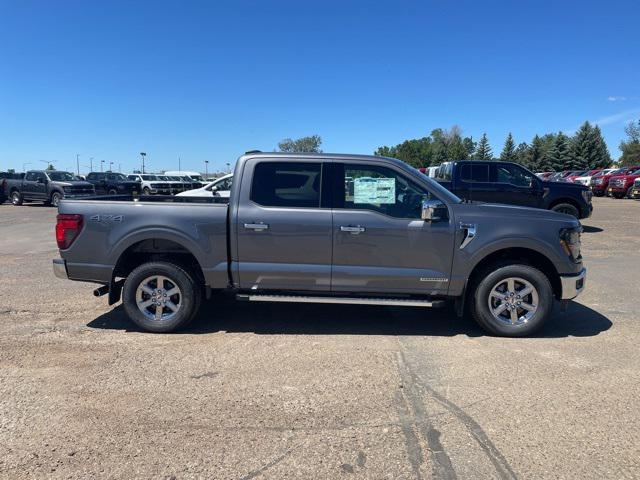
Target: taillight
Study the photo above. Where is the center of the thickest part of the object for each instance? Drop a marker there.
(67, 229)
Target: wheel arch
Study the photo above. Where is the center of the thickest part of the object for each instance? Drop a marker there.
(571, 201)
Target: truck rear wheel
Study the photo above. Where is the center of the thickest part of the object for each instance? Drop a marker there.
(512, 300)
(161, 297)
(55, 199)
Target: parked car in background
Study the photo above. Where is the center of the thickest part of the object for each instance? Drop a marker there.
(193, 178)
(113, 183)
(635, 191)
(600, 182)
(544, 175)
(175, 184)
(556, 177)
(293, 232)
(48, 186)
(511, 183)
(571, 177)
(429, 171)
(151, 184)
(621, 185)
(220, 187)
(586, 178)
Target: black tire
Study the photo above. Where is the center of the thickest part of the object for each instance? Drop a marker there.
(16, 198)
(189, 298)
(113, 192)
(55, 199)
(566, 208)
(629, 190)
(481, 296)
(146, 191)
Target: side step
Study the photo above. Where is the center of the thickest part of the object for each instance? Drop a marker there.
(395, 302)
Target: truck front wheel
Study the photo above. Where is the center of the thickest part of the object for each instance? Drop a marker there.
(161, 297)
(512, 300)
(566, 208)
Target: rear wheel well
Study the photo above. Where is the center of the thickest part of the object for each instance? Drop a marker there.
(524, 256)
(152, 250)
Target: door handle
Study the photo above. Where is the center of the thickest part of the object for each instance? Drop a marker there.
(258, 227)
(352, 230)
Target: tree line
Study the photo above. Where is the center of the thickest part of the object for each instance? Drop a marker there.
(586, 149)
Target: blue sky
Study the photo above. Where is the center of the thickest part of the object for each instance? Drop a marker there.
(207, 80)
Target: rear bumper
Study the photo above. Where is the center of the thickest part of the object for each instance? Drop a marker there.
(60, 268)
(573, 285)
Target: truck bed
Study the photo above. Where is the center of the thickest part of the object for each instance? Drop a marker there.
(115, 224)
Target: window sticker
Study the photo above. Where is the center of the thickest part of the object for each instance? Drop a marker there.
(374, 190)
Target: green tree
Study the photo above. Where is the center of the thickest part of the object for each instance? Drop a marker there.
(310, 144)
(50, 167)
(483, 152)
(583, 148)
(538, 159)
(522, 154)
(602, 156)
(560, 156)
(509, 150)
(630, 147)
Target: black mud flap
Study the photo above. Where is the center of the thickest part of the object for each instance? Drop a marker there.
(115, 291)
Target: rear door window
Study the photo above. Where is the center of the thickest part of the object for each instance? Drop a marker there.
(287, 184)
(470, 173)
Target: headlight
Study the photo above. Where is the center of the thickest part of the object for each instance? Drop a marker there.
(598, 181)
(570, 241)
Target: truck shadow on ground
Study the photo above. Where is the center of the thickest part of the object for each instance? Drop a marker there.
(224, 313)
(590, 229)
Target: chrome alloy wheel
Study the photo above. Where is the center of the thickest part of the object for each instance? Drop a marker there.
(513, 301)
(158, 297)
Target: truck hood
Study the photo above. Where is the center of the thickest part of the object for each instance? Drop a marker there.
(79, 183)
(565, 184)
(500, 213)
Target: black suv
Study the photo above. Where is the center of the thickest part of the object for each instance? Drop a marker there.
(112, 183)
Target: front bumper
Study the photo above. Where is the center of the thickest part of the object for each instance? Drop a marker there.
(572, 285)
(60, 268)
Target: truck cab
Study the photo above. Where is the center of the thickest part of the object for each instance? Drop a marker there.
(511, 183)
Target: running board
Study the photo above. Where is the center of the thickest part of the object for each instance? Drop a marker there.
(395, 302)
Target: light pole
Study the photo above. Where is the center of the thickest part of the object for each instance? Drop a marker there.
(90, 164)
(78, 163)
(179, 169)
(119, 168)
(111, 166)
(143, 154)
(101, 163)
(228, 167)
(206, 169)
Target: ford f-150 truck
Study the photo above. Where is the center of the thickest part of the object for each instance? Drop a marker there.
(622, 185)
(323, 228)
(510, 183)
(48, 186)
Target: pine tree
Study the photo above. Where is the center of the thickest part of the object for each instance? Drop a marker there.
(560, 157)
(631, 146)
(537, 157)
(603, 158)
(523, 155)
(483, 152)
(583, 148)
(509, 151)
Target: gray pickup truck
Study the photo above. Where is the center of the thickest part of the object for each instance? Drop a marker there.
(323, 228)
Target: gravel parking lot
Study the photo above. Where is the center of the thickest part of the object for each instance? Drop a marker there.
(308, 391)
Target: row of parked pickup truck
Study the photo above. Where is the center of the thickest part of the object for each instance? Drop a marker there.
(51, 186)
(613, 182)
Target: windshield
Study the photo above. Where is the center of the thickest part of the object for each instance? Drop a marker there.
(62, 176)
(197, 178)
(149, 177)
(163, 177)
(117, 176)
(637, 172)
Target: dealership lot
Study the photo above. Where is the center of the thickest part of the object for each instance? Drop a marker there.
(308, 391)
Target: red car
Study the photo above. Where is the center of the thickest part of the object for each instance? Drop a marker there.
(621, 185)
(600, 183)
(575, 174)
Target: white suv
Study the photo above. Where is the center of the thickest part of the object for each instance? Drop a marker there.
(151, 184)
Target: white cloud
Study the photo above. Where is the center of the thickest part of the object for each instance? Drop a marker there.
(617, 99)
(619, 117)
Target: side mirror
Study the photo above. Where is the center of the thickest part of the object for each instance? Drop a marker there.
(433, 210)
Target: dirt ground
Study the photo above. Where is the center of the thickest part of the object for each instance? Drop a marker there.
(308, 391)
